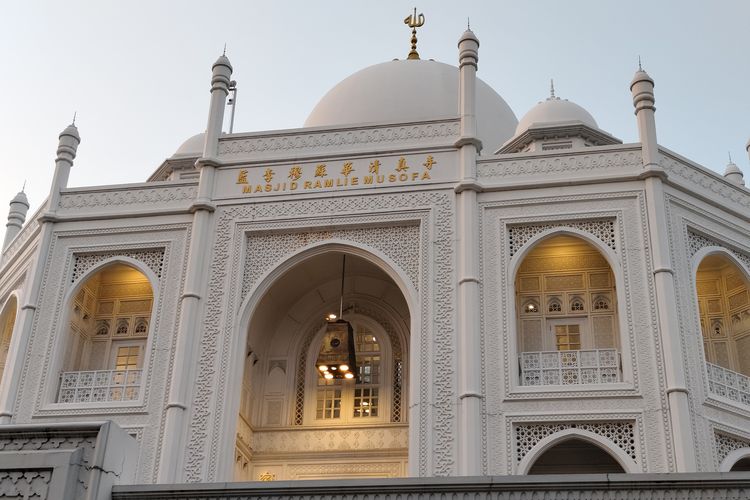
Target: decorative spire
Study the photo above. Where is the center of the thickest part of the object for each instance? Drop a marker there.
(640, 68)
(551, 88)
(74, 118)
(468, 24)
(414, 21)
(729, 153)
(224, 53)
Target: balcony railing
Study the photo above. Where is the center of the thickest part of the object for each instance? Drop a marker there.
(99, 386)
(727, 383)
(592, 366)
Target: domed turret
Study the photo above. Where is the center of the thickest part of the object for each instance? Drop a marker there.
(733, 173)
(409, 91)
(556, 124)
(19, 206)
(192, 147)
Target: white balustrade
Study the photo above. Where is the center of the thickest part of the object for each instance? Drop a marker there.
(591, 366)
(99, 386)
(728, 383)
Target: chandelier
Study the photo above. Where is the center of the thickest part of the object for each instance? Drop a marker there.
(337, 359)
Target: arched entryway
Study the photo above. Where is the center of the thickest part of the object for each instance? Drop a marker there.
(575, 456)
(294, 423)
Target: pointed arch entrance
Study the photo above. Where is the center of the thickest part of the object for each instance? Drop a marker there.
(293, 423)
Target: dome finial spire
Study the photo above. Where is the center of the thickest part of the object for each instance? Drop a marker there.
(414, 21)
(640, 68)
(552, 88)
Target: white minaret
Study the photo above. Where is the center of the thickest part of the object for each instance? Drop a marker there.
(19, 205)
(733, 173)
(642, 88)
(469, 347)
(193, 295)
(66, 152)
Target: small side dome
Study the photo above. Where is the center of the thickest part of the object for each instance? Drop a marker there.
(554, 111)
(192, 147)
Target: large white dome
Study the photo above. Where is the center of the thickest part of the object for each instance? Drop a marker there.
(407, 91)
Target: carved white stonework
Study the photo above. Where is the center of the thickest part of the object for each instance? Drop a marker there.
(432, 256)
(705, 181)
(152, 258)
(725, 444)
(300, 143)
(25, 483)
(622, 160)
(163, 251)
(318, 440)
(604, 230)
(157, 196)
(266, 249)
(622, 434)
(697, 241)
(627, 239)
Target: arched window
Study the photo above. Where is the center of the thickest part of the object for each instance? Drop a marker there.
(7, 322)
(107, 334)
(574, 339)
(724, 306)
(367, 397)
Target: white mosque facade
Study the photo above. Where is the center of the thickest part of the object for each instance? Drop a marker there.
(526, 297)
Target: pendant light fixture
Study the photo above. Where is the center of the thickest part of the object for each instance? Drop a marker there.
(337, 359)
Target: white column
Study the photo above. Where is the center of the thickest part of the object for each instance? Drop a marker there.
(193, 295)
(642, 88)
(469, 350)
(66, 153)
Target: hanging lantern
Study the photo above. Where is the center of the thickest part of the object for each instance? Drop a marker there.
(337, 359)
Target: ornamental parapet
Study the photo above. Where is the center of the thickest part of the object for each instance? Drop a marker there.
(312, 143)
(127, 199)
(592, 164)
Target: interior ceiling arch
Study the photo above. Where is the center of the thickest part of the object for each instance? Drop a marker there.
(311, 289)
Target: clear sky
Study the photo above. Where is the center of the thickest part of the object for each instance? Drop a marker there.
(137, 72)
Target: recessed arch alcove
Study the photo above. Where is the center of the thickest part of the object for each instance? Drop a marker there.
(575, 456)
(7, 324)
(107, 329)
(723, 295)
(567, 320)
(294, 424)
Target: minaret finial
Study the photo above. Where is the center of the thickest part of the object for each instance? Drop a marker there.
(551, 88)
(414, 21)
(730, 156)
(640, 68)
(468, 23)
(225, 49)
(23, 188)
(74, 117)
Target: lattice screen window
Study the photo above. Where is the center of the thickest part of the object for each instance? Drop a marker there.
(620, 433)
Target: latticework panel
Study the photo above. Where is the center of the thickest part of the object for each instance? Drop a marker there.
(621, 434)
(603, 230)
(726, 444)
(698, 241)
(153, 258)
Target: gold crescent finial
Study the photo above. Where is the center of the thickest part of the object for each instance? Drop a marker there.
(414, 21)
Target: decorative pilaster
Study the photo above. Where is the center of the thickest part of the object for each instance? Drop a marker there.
(469, 360)
(642, 88)
(19, 206)
(66, 153)
(190, 323)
